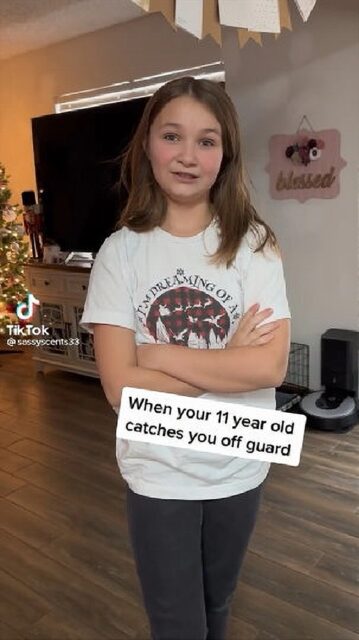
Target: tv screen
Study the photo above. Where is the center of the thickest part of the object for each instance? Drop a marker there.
(77, 170)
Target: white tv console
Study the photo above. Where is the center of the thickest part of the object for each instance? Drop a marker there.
(61, 290)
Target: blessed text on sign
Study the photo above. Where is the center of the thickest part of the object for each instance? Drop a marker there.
(318, 177)
(210, 426)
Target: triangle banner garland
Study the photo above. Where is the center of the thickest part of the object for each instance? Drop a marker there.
(305, 8)
(244, 35)
(189, 16)
(284, 15)
(251, 18)
(255, 15)
(211, 24)
(166, 7)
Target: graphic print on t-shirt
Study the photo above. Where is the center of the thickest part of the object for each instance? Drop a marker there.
(187, 314)
(190, 318)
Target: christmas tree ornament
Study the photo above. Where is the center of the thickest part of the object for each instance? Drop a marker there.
(9, 215)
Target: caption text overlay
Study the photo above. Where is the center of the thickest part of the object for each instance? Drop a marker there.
(206, 425)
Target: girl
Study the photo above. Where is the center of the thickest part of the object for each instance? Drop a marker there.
(171, 305)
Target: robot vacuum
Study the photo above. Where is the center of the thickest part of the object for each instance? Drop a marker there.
(336, 408)
(328, 412)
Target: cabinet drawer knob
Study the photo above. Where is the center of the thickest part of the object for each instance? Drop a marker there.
(46, 282)
(84, 287)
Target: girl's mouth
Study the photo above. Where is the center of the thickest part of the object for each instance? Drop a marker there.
(185, 177)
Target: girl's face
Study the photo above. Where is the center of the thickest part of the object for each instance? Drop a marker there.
(185, 150)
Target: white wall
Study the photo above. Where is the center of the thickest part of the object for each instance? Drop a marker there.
(311, 71)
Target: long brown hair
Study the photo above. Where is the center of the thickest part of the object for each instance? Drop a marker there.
(229, 199)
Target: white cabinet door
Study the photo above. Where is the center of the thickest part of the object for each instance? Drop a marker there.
(85, 350)
(54, 317)
(62, 295)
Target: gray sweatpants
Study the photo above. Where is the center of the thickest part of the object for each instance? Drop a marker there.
(188, 556)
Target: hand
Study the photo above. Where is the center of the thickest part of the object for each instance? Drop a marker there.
(248, 333)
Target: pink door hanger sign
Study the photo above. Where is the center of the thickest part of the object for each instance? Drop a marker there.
(305, 165)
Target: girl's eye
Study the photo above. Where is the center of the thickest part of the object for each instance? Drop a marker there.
(173, 137)
(170, 136)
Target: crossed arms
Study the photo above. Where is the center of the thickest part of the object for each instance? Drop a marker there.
(185, 371)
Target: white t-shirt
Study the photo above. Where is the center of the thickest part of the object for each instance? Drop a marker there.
(163, 287)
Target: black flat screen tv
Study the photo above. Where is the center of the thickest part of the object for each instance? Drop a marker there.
(77, 170)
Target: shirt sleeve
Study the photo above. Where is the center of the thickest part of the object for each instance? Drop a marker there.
(264, 284)
(109, 299)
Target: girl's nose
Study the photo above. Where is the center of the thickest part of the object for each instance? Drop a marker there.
(187, 154)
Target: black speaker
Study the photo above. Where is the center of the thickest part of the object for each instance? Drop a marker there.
(339, 362)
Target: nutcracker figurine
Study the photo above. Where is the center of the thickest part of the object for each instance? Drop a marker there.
(33, 223)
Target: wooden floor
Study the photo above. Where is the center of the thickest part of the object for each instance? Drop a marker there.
(66, 571)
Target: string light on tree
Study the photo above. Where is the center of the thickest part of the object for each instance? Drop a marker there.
(13, 255)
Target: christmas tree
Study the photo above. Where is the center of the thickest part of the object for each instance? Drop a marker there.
(13, 255)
